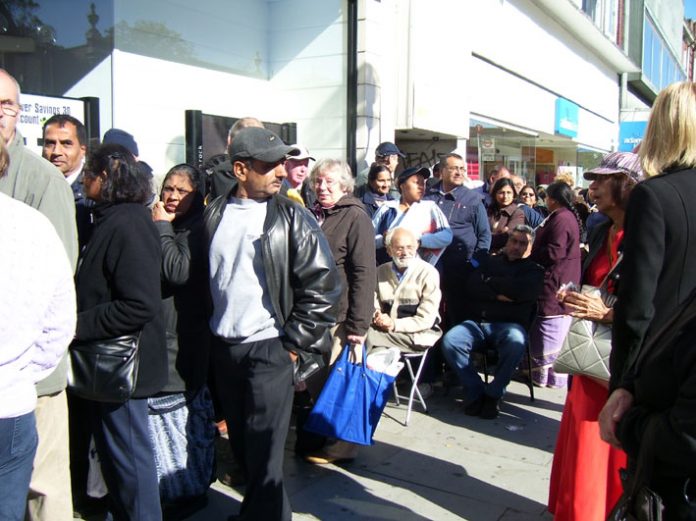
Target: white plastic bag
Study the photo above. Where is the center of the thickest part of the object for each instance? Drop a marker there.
(386, 361)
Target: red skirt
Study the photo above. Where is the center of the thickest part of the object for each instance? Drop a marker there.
(585, 482)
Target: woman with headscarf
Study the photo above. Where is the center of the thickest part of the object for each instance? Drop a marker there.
(181, 415)
(557, 249)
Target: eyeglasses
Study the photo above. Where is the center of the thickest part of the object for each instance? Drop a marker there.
(9, 107)
(527, 194)
(457, 169)
(404, 249)
(181, 191)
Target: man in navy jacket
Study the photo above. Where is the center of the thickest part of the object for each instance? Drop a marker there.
(469, 223)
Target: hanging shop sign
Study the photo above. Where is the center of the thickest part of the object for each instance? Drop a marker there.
(631, 134)
(566, 123)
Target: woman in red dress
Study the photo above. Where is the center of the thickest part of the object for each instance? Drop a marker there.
(585, 482)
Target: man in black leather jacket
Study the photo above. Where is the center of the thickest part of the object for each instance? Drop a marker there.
(274, 289)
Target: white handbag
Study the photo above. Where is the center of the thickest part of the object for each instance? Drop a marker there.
(585, 350)
(587, 345)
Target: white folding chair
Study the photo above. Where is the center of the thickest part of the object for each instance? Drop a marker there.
(415, 376)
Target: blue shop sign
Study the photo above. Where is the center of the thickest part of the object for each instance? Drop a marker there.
(566, 118)
(631, 134)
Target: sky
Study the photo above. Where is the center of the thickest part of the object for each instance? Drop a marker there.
(690, 9)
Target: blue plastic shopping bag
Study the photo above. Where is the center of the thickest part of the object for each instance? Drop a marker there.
(351, 402)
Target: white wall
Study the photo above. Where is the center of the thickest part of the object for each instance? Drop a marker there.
(517, 36)
(438, 59)
(98, 84)
(308, 69)
(526, 60)
(151, 95)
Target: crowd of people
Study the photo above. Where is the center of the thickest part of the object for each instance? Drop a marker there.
(244, 284)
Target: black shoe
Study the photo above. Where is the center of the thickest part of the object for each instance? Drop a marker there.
(474, 408)
(489, 409)
(180, 510)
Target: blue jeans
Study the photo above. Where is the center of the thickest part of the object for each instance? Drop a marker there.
(507, 338)
(18, 440)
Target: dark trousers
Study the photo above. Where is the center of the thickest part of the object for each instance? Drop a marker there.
(122, 438)
(80, 434)
(255, 387)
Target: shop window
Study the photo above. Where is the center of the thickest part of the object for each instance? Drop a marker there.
(659, 64)
(605, 15)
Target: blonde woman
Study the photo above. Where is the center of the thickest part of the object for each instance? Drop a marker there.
(652, 407)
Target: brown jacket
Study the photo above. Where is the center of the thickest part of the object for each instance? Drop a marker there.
(502, 222)
(351, 236)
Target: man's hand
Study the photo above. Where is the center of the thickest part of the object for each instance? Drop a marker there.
(160, 214)
(356, 347)
(618, 403)
(383, 322)
(293, 356)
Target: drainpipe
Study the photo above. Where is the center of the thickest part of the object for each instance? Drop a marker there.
(352, 84)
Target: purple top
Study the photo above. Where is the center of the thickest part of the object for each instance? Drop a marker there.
(557, 248)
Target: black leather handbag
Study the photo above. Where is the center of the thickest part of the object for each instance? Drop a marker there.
(104, 370)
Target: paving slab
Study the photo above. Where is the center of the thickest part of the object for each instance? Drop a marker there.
(443, 466)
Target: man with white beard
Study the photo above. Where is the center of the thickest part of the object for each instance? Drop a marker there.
(407, 298)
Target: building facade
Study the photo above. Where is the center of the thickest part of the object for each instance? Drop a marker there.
(537, 85)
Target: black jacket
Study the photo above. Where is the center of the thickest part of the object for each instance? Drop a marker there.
(184, 294)
(83, 211)
(300, 272)
(658, 271)
(521, 280)
(662, 419)
(118, 288)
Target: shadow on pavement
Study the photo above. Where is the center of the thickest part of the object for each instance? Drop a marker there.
(388, 482)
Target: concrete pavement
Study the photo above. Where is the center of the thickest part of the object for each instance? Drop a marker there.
(443, 466)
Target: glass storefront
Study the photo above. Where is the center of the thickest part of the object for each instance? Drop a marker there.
(50, 45)
(536, 158)
(490, 145)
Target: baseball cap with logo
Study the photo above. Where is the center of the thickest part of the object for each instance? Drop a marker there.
(301, 153)
(618, 163)
(260, 144)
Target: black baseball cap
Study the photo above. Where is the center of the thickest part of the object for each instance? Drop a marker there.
(261, 144)
(422, 171)
(388, 149)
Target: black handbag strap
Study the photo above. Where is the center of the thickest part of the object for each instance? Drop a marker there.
(646, 459)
